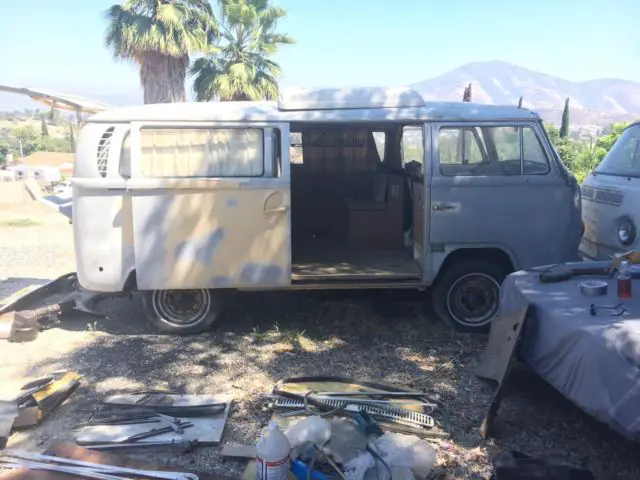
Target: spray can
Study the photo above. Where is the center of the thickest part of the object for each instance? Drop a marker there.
(272, 454)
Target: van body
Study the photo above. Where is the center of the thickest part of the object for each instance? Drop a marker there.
(611, 200)
(324, 189)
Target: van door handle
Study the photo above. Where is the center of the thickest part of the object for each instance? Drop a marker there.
(443, 206)
(281, 209)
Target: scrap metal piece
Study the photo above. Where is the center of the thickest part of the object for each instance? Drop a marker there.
(188, 445)
(382, 403)
(387, 413)
(51, 460)
(18, 464)
(371, 393)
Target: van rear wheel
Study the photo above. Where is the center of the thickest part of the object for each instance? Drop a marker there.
(181, 312)
(467, 296)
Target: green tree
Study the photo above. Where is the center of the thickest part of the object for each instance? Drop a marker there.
(28, 137)
(242, 69)
(44, 130)
(51, 144)
(466, 96)
(159, 36)
(564, 126)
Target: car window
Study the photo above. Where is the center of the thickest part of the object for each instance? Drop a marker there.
(534, 158)
(201, 152)
(489, 150)
(507, 142)
(459, 149)
(412, 149)
(472, 152)
(624, 156)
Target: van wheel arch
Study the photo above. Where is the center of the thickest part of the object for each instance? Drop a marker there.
(482, 269)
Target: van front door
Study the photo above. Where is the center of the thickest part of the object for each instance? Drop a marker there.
(494, 186)
(211, 205)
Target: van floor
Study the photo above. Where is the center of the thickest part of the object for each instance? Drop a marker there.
(348, 263)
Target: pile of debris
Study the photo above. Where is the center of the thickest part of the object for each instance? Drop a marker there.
(321, 428)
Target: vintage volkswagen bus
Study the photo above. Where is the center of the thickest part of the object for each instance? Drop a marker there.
(325, 189)
(611, 199)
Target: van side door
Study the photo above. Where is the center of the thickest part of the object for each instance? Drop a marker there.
(211, 204)
(494, 185)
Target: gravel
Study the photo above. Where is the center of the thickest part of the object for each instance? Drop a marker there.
(267, 336)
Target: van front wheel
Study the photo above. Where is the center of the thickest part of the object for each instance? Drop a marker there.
(467, 295)
(181, 312)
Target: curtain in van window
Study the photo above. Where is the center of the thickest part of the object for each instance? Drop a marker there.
(201, 152)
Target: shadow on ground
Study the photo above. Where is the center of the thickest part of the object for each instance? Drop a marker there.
(381, 336)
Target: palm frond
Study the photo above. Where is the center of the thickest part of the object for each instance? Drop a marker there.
(174, 29)
(242, 69)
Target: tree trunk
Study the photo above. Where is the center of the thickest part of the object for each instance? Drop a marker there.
(163, 78)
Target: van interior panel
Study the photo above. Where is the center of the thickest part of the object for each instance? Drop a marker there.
(351, 205)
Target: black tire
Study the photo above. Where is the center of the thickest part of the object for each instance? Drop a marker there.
(182, 312)
(467, 295)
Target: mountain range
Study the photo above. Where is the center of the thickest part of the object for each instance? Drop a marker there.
(594, 104)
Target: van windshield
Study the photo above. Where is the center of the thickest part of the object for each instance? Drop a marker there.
(624, 157)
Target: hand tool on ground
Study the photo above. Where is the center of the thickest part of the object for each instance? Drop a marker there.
(154, 433)
(95, 467)
(141, 417)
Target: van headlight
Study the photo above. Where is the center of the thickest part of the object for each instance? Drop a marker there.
(626, 232)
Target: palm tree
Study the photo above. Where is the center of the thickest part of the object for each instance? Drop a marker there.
(242, 69)
(159, 35)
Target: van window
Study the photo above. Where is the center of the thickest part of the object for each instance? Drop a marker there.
(201, 152)
(295, 148)
(412, 144)
(381, 143)
(125, 156)
(482, 151)
(624, 156)
(534, 158)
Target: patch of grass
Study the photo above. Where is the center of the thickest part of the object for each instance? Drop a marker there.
(20, 222)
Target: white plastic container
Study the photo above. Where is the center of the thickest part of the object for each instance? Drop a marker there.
(272, 454)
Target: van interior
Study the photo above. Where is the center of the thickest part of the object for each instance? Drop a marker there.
(356, 203)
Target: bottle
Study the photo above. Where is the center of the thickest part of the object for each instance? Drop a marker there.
(624, 280)
(272, 454)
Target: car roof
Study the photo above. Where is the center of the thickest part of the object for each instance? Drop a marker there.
(325, 105)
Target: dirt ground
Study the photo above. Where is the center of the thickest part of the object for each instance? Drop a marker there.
(266, 337)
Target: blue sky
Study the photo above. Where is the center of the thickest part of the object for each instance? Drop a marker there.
(59, 44)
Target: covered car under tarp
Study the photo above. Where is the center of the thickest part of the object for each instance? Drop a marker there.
(591, 356)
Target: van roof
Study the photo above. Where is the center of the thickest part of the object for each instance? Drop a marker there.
(326, 105)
